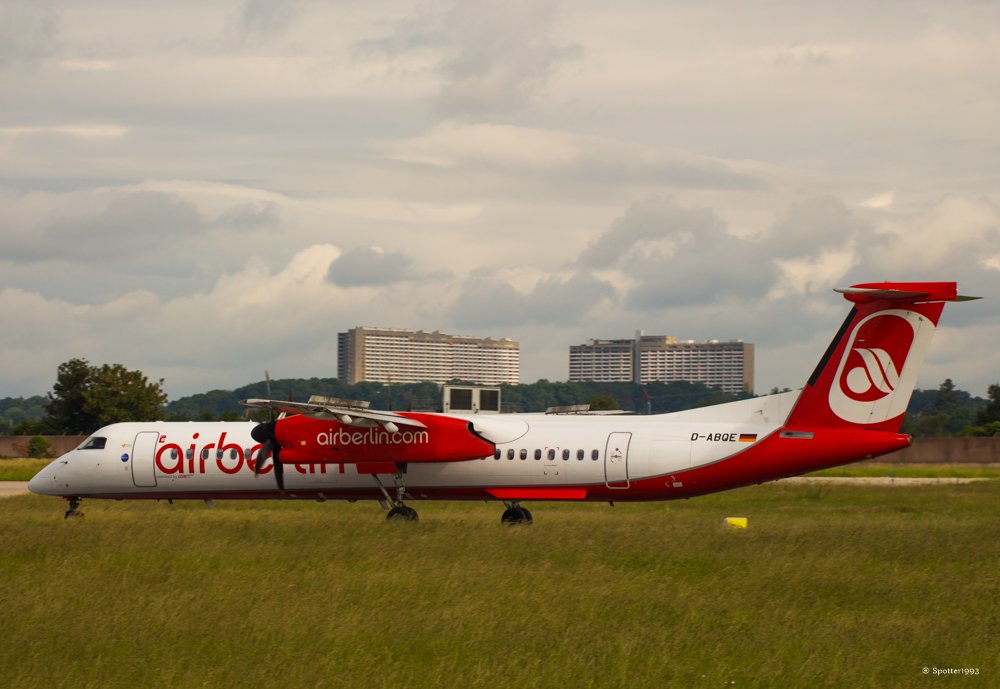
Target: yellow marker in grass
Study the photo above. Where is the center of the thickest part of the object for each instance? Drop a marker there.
(735, 523)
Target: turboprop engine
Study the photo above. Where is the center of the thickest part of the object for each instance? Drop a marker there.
(432, 438)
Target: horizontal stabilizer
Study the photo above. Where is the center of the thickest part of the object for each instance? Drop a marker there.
(903, 291)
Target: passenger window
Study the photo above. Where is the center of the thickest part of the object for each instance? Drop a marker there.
(218, 454)
(496, 453)
(233, 454)
(204, 453)
(538, 454)
(524, 454)
(552, 454)
(595, 455)
(565, 455)
(94, 444)
(246, 453)
(173, 453)
(510, 453)
(189, 453)
(580, 454)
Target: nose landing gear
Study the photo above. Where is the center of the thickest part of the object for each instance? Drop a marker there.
(515, 514)
(71, 512)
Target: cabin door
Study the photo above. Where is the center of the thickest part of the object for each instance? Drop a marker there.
(143, 457)
(616, 460)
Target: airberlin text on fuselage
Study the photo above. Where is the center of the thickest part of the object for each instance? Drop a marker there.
(372, 436)
(173, 462)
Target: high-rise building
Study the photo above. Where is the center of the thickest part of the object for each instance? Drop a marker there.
(602, 360)
(375, 354)
(727, 366)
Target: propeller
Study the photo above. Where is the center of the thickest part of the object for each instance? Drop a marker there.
(264, 433)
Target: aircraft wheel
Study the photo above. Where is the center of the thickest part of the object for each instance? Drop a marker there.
(516, 515)
(402, 513)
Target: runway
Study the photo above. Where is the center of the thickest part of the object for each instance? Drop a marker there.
(10, 488)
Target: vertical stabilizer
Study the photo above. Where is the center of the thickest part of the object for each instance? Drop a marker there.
(868, 372)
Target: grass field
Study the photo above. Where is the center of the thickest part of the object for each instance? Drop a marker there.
(841, 586)
(21, 469)
(914, 470)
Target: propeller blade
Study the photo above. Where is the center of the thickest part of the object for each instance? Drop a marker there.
(279, 472)
(264, 433)
(265, 450)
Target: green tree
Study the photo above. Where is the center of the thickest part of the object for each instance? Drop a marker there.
(117, 394)
(947, 399)
(87, 397)
(67, 407)
(603, 402)
(36, 427)
(991, 412)
(987, 431)
(40, 448)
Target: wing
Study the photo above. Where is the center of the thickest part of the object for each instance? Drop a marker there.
(331, 412)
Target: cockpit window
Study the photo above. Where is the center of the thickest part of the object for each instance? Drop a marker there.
(94, 444)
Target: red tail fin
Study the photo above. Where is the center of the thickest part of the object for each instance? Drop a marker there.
(868, 372)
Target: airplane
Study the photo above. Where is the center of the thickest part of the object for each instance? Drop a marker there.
(850, 409)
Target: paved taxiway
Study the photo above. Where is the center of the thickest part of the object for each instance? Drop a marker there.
(9, 488)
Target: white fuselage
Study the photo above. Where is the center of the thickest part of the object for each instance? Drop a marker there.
(172, 459)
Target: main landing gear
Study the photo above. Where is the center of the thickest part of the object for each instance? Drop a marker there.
(71, 512)
(515, 514)
(399, 511)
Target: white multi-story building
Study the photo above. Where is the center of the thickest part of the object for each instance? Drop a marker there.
(727, 366)
(604, 361)
(375, 354)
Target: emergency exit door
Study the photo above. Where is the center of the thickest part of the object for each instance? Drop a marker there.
(616, 460)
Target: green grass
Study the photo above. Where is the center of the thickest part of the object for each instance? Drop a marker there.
(839, 586)
(914, 470)
(21, 469)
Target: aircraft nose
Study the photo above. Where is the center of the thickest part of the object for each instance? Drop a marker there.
(42, 482)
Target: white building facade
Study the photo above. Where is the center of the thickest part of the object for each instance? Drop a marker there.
(376, 354)
(726, 366)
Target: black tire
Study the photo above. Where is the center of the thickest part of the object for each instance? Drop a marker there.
(527, 514)
(402, 514)
(515, 515)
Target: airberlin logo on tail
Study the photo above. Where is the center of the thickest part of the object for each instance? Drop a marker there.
(872, 380)
(882, 357)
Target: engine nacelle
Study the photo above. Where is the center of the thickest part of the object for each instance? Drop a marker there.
(444, 439)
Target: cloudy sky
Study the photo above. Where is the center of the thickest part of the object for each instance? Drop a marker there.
(207, 189)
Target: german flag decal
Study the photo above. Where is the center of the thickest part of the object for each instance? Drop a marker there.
(748, 437)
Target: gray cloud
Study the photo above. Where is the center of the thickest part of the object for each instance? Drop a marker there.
(249, 217)
(265, 18)
(815, 224)
(131, 223)
(127, 226)
(685, 256)
(491, 302)
(502, 55)
(494, 56)
(369, 266)
(28, 33)
(652, 219)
